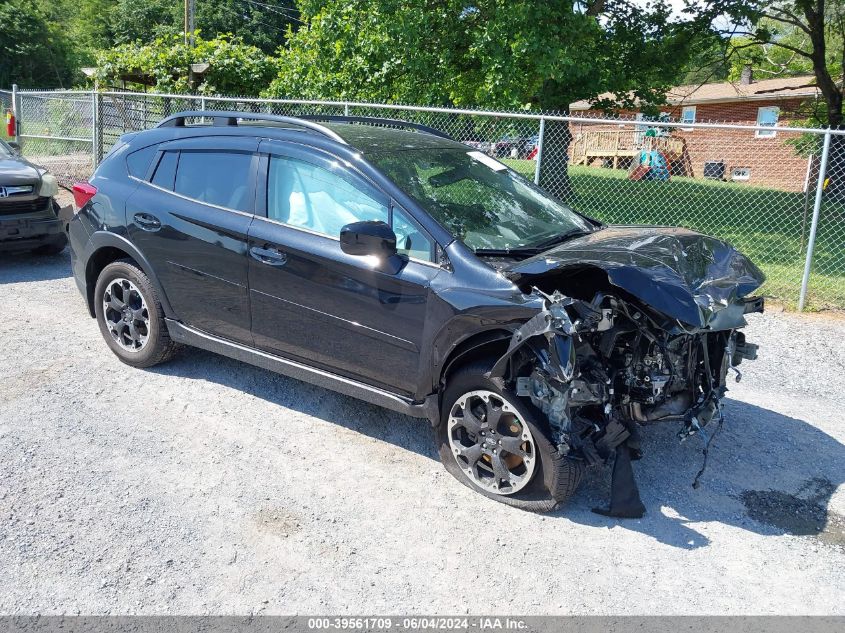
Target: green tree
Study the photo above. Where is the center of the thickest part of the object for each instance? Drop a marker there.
(260, 23)
(33, 53)
(145, 20)
(234, 68)
(84, 24)
(783, 38)
(491, 53)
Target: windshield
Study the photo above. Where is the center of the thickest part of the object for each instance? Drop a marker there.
(478, 199)
(5, 150)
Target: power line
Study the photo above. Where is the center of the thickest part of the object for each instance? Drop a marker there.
(248, 16)
(283, 11)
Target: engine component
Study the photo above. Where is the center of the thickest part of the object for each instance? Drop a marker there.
(597, 369)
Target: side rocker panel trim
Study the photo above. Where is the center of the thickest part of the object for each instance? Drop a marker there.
(189, 336)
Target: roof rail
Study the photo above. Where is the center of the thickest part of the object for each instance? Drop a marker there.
(230, 118)
(377, 121)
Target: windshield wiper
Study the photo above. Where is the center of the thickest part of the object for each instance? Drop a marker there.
(531, 249)
(517, 251)
(557, 239)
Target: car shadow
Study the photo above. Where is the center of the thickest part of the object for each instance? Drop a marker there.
(767, 473)
(405, 432)
(28, 266)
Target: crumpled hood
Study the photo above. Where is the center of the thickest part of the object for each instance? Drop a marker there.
(683, 274)
(15, 171)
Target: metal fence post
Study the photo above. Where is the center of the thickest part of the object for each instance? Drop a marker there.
(345, 109)
(540, 150)
(95, 120)
(817, 205)
(16, 112)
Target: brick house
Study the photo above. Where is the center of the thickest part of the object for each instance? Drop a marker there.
(761, 158)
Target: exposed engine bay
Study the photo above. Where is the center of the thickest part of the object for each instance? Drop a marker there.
(597, 369)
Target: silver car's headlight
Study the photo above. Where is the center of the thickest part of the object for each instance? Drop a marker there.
(49, 186)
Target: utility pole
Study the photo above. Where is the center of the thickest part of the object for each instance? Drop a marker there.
(190, 12)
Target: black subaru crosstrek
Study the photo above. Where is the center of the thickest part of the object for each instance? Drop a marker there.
(386, 261)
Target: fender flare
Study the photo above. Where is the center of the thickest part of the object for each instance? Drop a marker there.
(498, 333)
(106, 239)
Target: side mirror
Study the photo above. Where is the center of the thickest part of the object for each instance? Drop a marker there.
(373, 238)
(14, 146)
(368, 238)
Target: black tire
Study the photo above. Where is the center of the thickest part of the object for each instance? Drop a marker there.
(54, 248)
(158, 346)
(555, 477)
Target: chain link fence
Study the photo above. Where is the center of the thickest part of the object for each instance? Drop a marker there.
(756, 187)
(56, 131)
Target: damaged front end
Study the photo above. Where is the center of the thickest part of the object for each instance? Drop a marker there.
(599, 367)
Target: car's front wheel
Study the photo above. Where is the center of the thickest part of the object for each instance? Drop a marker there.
(495, 443)
(130, 316)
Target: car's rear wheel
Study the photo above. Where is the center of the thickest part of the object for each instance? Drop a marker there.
(495, 443)
(130, 316)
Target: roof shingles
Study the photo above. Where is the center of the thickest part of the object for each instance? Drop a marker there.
(779, 88)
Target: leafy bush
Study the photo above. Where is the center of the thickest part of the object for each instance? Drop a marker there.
(235, 68)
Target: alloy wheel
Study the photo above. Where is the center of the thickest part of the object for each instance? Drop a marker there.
(491, 443)
(126, 315)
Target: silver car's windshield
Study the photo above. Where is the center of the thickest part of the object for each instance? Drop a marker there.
(478, 199)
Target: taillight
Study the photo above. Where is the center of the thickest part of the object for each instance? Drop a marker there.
(82, 193)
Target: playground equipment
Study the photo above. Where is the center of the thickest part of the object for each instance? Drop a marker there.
(650, 164)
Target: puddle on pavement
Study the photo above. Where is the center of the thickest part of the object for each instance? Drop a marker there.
(804, 513)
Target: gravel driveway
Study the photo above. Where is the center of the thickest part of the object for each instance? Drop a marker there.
(209, 486)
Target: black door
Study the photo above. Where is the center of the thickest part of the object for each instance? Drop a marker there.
(313, 302)
(191, 221)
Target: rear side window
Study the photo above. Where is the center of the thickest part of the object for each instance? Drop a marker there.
(216, 177)
(165, 173)
(139, 162)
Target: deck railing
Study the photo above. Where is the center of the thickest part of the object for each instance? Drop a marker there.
(615, 144)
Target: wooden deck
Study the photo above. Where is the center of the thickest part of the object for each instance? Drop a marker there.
(619, 144)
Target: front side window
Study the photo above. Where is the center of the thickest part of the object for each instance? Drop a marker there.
(306, 196)
(215, 177)
(410, 240)
(478, 199)
(767, 116)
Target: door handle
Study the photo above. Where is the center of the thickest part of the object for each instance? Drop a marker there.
(269, 256)
(147, 222)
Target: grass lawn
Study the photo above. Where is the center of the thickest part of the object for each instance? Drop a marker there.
(765, 224)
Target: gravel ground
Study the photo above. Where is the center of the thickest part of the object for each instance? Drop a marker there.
(209, 486)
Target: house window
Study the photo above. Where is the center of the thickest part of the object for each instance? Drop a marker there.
(688, 115)
(767, 116)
